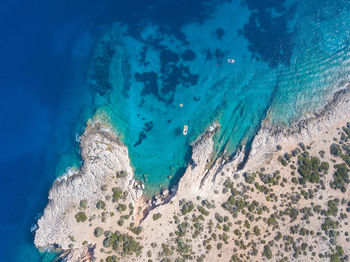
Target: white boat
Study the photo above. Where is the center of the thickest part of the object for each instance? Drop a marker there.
(185, 130)
(230, 60)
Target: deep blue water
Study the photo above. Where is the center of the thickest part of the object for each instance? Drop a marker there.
(137, 61)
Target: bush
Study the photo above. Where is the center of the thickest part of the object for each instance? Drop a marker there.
(100, 204)
(81, 217)
(329, 224)
(136, 230)
(308, 169)
(219, 218)
(111, 258)
(335, 149)
(121, 207)
(267, 252)
(340, 177)
(322, 153)
(283, 161)
(83, 204)
(302, 146)
(98, 231)
(256, 230)
(182, 228)
(249, 178)
(157, 216)
(332, 207)
(219, 246)
(166, 250)
(117, 194)
(237, 232)
(334, 258)
(278, 236)
(202, 210)
(324, 166)
(187, 207)
(120, 222)
(122, 243)
(226, 228)
(121, 174)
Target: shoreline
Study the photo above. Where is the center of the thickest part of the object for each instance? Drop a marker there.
(200, 180)
(303, 129)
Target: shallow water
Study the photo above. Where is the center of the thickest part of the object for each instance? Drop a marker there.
(137, 61)
(288, 57)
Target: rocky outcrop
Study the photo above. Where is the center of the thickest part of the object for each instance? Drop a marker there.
(202, 166)
(103, 156)
(337, 110)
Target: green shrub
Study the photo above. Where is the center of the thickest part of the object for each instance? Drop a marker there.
(121, 207)
(81, 217)
(100, 204)
(226, 228)
(267, 252)
(187, 207)
(98, 231)
(157, 216)
(121, 174)
(166, 250)
(256, 230)
(237, 232)
(335, 149)
(249, 178)
(334, 258)
(346, 159)
(332, 207)
(112, 258)
(340, 177)
(272, 220)
(324, 166)
(83, 204)
(120, 222)
(202, 210)
(182, 228)
(308, 169)
(219, 218)
(117, 194)
(283, 161)
(278, 236)
(136, 230)
(329, 224)
(123, 244)
(322, 153)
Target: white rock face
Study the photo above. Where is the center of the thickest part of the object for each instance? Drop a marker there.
(103, 156)
(198, 173)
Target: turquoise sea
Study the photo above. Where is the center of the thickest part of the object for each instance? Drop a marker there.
(152, 66)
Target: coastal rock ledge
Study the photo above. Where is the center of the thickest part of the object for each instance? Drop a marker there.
(103, 156)
(288, 202)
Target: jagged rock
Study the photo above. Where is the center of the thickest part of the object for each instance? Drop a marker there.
(165, 193)
(103, 155)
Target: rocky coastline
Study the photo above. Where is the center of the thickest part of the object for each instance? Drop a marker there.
(269, 136)
(106, 168)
